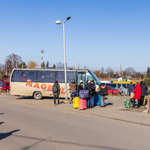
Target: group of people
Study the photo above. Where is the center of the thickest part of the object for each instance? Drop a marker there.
(90, 85)
(138, 93)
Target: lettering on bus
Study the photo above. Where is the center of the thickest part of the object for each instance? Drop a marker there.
(43, 86)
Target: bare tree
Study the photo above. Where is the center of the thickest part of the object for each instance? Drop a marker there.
(97, 73)
(60, 65)
(110, 72)
(13, 60)
(129, 71)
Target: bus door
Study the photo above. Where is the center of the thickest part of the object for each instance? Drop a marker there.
(81, 77)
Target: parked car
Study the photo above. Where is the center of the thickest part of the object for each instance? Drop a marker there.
(112, 90)
(4, 85)
(118, 87)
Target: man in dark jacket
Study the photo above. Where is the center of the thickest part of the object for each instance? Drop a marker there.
(80, 87)
(131, 88)
(73, 88)
(143, 92)
(91, 89)
(56, 91)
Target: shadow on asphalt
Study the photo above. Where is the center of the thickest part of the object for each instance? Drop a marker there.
(1, 113)
(65, 143)
(1, 123)
(30, 97)
(107, 104)
(5, 135)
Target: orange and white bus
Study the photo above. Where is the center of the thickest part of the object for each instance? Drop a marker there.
(39, 82)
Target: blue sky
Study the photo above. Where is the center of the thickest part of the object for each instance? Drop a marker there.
(100, 33)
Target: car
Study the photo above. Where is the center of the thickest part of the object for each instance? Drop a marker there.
(118, 87)
(112, 90)
(4, 85)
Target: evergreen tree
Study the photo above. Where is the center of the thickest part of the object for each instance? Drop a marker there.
(54, 66)
(47, 65)
(43, 65)
(22, 65)
(148, 72)
(142, 76)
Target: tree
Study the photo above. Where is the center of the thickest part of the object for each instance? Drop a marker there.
(142, 76)
(22, 65)
(47, 65)
(32, 64)
(97, 73)
(73, 67)
(54, 66)
(14, 60)
(130, 71)
(43, 65)
(60, 65)
(110, 72)
(148, 72)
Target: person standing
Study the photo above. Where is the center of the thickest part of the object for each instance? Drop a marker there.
(80, 87)
(131, 88)
(92, 82)
(91, 89)
(56, 91)
(143, 92)
(137, 95)
(73, 88)
(103, 92)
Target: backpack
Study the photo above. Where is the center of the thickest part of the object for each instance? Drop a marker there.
(55, 89)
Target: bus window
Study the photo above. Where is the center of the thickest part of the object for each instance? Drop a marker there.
(17, 76)
(24, 75)
(60, 76)
(70, 76)
(47, 76)
(81, 78)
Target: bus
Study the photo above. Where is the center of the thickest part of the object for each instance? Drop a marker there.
(39, 82)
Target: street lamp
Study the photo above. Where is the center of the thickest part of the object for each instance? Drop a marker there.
(59, 22)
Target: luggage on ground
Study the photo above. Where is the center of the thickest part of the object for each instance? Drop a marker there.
(97, 100)
(75, 94)
(127, 103)
(76, 102)
(82, 104)
(84, 94)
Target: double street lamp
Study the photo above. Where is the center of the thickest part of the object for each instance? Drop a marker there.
(59, 22)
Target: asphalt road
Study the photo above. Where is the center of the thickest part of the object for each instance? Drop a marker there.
(29, 127)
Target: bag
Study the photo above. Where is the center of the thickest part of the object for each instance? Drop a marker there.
(84, 94)
(74, 94)
(127, 103)
(55, 89)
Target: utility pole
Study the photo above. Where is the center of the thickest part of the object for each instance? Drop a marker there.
(120, 69)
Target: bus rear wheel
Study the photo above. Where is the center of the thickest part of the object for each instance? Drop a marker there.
(37, 95)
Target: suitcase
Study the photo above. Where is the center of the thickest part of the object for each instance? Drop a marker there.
(76, 102)
(82, 104)
(97, 100)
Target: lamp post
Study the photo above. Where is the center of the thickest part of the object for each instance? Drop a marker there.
(59, 22)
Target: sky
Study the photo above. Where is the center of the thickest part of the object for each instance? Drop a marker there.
(100, 33)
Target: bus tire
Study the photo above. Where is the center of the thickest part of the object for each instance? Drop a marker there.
(37, 95)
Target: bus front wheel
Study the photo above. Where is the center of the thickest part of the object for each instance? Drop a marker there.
(37, 95)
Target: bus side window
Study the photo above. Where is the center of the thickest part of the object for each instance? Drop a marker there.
(70, 76)
(60, 76)
(17, 76)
